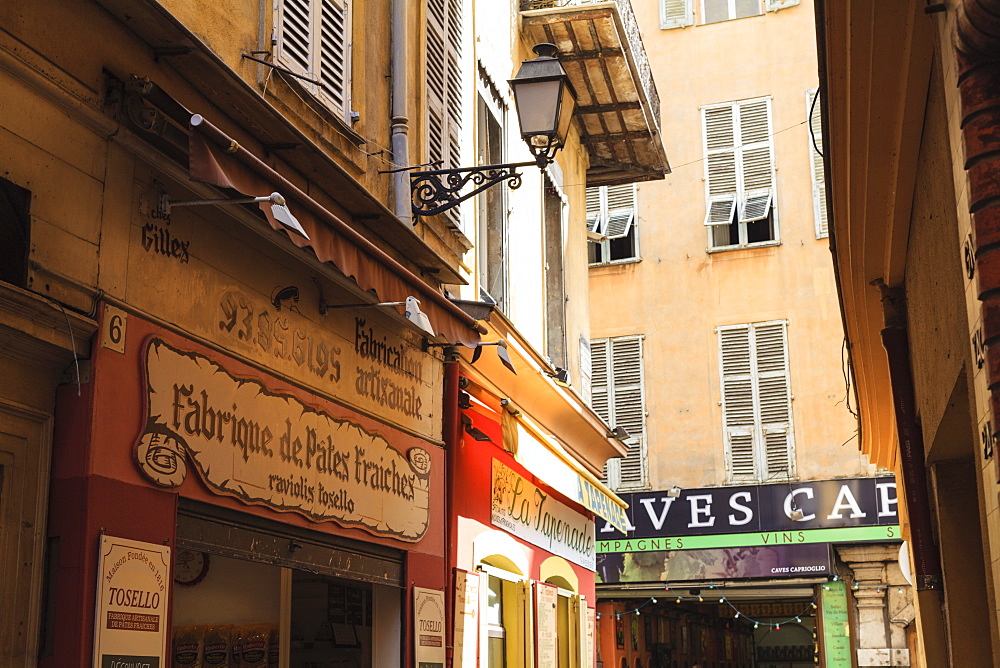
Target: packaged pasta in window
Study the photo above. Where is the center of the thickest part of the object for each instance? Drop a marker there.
(236, 646)
(255, 639)
(215, 652)
(273, 647)
(188, 643)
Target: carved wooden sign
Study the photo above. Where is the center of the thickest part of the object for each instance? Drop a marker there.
(270, 449)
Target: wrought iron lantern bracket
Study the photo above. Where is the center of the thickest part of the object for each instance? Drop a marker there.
(438, 190)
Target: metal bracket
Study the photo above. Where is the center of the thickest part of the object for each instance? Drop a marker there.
(438, 190)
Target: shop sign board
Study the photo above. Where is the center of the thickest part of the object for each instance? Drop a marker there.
(428, 631)
(736, 563)
(522, 509)
(131, 626)
(825, 504)
(271, 449)
(836, 625)
(546, 624)
(466, 619)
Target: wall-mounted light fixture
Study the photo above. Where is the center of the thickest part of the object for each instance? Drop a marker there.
(502, 353)
(561, 376)
(279, 209)
(284, 294)
(412, 312)
(545, 102)
(619, 433)
(674, 492)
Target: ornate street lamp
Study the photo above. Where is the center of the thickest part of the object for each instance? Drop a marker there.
(545, 102)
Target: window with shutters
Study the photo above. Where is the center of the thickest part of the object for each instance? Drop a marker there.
(618, 396)
(739, 174)
(676, 13)
(612, 224)
(444, 81)
(815, 116)
(756, 402)
(493, 247)
(312, 38)
(714, 11)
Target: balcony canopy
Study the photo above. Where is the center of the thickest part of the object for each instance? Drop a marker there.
(617, 104)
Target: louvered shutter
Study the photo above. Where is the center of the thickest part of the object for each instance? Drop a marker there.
(720, 164)
(818, 169)
(599, 378)
(313, 40)
(757, 164)
(774, 399)
(620, 210)
(595, 221)
(675, 14)
(444, 81)
(756, 401)
(775, 5)
(737, 402)
(628, 406)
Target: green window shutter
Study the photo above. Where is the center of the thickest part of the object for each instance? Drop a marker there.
(675, 14)
(818, 169)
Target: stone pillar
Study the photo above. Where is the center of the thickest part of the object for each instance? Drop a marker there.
(883, 604)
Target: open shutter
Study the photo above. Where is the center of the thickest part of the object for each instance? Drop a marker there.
(595, 221)
(294, 35)
(599, 378)
(775, 5)
(628, 407)
(818, 169)
(757, 164)
(436, 78)
(332, 70)
(774, 398)
(738, 414)
(621, 210)
(675, 14)
(720, 164)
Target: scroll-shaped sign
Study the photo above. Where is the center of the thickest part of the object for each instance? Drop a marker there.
(271, 449)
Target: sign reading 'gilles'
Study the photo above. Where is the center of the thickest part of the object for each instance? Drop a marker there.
(271, 449)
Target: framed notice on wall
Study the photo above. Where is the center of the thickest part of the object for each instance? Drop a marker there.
(466, 619)
(428, 632)
(130, 628)
(546, 624)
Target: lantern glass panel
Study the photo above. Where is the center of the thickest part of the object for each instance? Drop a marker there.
(537, 105)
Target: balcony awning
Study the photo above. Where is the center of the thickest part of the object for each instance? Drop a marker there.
(218, 160)
(618, 107)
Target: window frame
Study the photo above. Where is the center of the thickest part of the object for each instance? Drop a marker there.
(738, 200)
(759, 430)
(284, 57)
(731, 7)
(604, 218)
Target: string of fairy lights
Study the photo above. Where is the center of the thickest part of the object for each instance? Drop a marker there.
(716, 592)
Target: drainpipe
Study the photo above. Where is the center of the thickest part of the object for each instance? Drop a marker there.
(452, 435)
(926, 559)
(977, 42)
(400, 120)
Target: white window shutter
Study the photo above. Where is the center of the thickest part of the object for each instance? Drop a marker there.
(757, 162)
(620, 210)
(774, 398)
(629, 408)
(294, 33)
(775, 5)
(332, 61)
(818, 169)
(594, 219)
(599, 378)
(720, 164)
(675, 14)
(756, 401)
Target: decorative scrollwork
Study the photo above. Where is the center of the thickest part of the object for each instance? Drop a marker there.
(438, 190)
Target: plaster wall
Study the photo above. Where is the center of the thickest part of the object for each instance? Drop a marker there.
(679, 292)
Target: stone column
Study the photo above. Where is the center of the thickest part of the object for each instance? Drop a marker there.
(883, 604)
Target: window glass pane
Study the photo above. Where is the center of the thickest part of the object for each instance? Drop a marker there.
(715, 10)
(495, 648)
(494, 601)
(747, 8)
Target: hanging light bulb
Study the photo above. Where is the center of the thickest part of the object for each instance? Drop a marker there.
(756, 625)
(637, 613)
(798, 619)
(836, 577)
(653, 599)
(899, 589)
(826, 587)
(666, 588)
(813, 604)
(700, 599)
(678, 600)
(722, 599)
(737, 615)
(777, 627)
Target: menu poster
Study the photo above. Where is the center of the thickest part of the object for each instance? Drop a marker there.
(546, 624)
(836, 625)
(466, 619)
(131, 625)
(428, 634)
